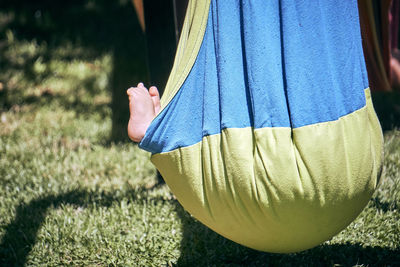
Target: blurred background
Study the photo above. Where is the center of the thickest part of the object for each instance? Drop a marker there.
(75, 191)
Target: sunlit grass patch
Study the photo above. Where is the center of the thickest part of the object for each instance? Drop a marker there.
(34, 73)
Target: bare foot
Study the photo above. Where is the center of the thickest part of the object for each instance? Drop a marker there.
(144, 105)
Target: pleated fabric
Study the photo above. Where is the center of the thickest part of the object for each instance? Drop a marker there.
(267, 132)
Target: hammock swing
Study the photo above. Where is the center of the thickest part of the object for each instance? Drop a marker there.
(267, 132)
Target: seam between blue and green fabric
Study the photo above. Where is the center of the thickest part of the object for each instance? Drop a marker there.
(161, 136)
(255, 129)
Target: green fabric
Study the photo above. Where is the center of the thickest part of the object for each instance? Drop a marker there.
(189, 45)
(278, 189)
(272, 189)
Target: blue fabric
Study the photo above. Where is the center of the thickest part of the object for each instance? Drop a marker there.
(267, 64)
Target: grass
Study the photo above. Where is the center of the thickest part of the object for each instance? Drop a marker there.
(68, 196)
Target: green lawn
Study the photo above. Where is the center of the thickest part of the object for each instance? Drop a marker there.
(69, 196)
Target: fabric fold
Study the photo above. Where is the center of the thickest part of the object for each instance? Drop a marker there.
(267, 134)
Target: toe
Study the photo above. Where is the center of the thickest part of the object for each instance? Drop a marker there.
(130, 90)
(153, 91)
(155, 97)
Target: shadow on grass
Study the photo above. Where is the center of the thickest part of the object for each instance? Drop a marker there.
(21, 234)
(384, 206)
(387, 107)
(201, 246)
